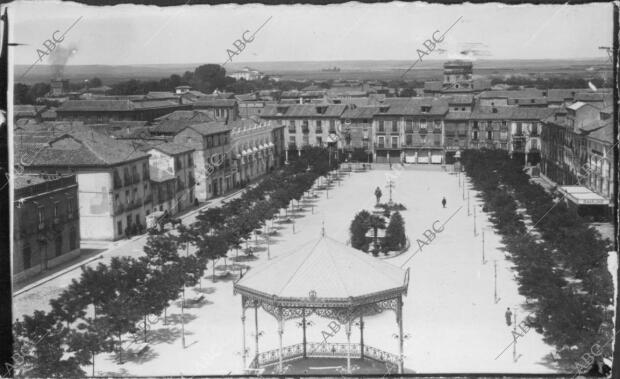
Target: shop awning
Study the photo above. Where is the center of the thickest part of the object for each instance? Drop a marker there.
(581, 195)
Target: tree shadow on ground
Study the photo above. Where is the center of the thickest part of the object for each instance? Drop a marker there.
(228, 278)
(196, 302)
(121, 372)
(176, 318)
(163, 335)
(276, 227)
(136, 355)
(206, 291)
(244, 258)
(287, 220)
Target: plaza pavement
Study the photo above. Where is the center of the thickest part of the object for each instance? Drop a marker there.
(450, 315)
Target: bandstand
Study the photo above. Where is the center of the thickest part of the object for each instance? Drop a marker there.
(329, 279)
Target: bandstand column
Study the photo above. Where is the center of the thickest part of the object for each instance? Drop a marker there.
(243, 348)
(303, 323)
(399, 316)
(280, 333)
(362, 335)
(348, 331)
(256, 331)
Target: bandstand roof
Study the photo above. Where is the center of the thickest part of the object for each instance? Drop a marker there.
(323, 273)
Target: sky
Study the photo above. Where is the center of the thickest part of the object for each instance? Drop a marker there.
(136, 34)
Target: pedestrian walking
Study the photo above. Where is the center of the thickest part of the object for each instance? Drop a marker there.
(378, 194)
(443, 202)
(508, 315)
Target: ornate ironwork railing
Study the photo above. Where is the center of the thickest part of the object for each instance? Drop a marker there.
(321, 350)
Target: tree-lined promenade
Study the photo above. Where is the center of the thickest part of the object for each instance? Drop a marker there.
(561, 262)
(97, 311)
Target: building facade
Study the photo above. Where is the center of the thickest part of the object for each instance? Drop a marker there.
(173, 165)
(46, 223)
(112, 176)
(253, 150)
(211, 157)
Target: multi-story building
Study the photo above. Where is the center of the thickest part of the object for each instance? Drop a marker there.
(212, 157)
(247, 73)
(357, 128)
(456, 131)
(579, 151)
(220, 109)
(46, 223)
(102, 111)
(170, 124)
(171, 162)
(410, 130)
(525, 130)
(252, 150)
(113, 177)
(307, 124)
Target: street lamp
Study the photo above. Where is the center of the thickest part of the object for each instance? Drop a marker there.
(406, 336)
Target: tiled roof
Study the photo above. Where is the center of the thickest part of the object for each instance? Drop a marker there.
(458, 115)
(25, 110)
(172, 148)
(512, 94)
(79, 149)
(96, 105)
(22, 181)
(205, 102)
(414, 105)
(528, 100)
(160, 95)
(311, 110)
(174, 122)
(433, 86)
(525, 113)
(360, 113)
(149, 104)
(459, 99)
(605, 133)
(209, 128)
(488, 113)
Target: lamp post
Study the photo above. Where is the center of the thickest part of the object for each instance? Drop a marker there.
(303, 324)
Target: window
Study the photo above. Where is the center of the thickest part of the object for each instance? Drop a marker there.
(291, 140)
(489, 134)
(41, 215)
(437, 125)
(474, 134)
(409, 139)
(146, 187)
(135, 194)
(394, 127)
(422, 124)
(145, 171)
(127, 196)
(56, 214)
(332, 126)
(409, 126)
(381, 140)
(27, 256)
(319, 141)
(58, 246)
(137, 219)
(119, 227)
(388, 124)
(381, 127)
(72, 239)
(437, 139)
(71, 206)
(394, 141)
(128, 220)
(209, 141)
(134, 172)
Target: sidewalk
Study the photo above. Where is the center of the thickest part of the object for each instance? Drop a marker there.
(99, 249)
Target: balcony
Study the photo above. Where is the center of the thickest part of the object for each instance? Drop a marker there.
(386, 146)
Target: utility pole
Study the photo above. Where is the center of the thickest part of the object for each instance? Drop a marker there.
(468, 213)
(483, 259)
(495, 281)
(475, 232)
(390, 185)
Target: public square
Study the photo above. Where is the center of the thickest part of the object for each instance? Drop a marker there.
(452, 322)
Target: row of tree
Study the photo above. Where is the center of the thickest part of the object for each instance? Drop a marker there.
(97, 311)
(560, 260)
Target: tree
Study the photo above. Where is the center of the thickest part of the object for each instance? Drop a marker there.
(209, 77)
(395, 238)
(358, 229)
(42, 348)
(95, 82)
(376, 222)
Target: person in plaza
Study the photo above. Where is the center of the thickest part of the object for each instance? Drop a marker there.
(378, 194)
(508, 315)
(443, 202)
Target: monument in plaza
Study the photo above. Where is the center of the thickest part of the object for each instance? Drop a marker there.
(329, 279)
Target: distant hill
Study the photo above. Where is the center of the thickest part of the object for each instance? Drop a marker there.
(366, 69)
